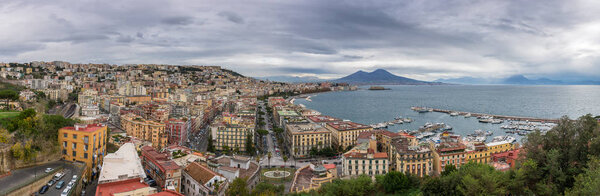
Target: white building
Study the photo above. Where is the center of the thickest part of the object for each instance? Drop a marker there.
(198, 180)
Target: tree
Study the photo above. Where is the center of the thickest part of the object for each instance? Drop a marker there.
(278, 130)
(250, 145)
(269, 158)
(4, 136)
(394, 182)
(361, 185)
(210, 147)
(262, 132)
(295, 155)
(562, 153)
(238, 188)
(8, 95)
(478, 179)
(448, 169)
(226, 150)
(285, 159)
(587, 183)
(267, 189)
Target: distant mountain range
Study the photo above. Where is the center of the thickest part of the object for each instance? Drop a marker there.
(380, 76)
(515, 80)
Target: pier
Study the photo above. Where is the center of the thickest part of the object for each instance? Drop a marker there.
(503, 117)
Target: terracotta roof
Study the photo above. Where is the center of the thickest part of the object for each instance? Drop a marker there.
(329, 166)
(85, 128)
(200, 173)
(323, 118)
(380, 155)
(386, 132)
(347, 125)
(108, 189)
(365, 135)
(167, 193)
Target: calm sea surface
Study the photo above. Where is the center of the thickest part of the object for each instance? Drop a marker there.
(369, 107)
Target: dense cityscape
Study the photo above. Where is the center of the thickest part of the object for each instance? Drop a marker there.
(104, 129)
(299, 98)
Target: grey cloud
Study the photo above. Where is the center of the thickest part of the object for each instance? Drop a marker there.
(303, 70)
(405, 36)
(125, 39)
(178, 20)
(231, 16)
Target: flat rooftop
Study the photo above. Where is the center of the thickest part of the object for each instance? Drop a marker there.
(347, 125)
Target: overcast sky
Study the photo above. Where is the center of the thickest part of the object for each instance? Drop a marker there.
(422, 39)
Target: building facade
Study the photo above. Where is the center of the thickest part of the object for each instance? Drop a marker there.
(164, 171)
(301, 138)
(84, 143)
(147, 130)
(410, 158)
(345, 133)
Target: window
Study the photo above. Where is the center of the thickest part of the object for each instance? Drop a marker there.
(65, 135)
(85, 155)
(64, 144)
(74, 136)
(74, 153)
(74, 145)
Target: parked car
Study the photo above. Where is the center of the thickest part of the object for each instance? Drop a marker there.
(48, 170)
(43, 189)
(65, 192)
(74, 177)
(60, 184)
(59, 175)
(51, 182)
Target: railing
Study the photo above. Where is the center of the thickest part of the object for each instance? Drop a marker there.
(30, 181)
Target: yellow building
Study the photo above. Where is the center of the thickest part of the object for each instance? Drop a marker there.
(345, 133)
(84, 143)
(479, 155)
(304, 137)
(497, 147)
(231, 131)
(409, 158)
(143, 129)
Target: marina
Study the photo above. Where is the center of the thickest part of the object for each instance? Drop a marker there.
(484, 118)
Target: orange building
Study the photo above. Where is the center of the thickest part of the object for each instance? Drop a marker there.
(84, 143)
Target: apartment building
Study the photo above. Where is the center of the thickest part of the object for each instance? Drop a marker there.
(345, 133)
(143, 129)
(301, 138)
(364, 159)
(411, 158)
(84, 143)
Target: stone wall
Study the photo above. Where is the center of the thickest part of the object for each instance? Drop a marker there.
(33, 187)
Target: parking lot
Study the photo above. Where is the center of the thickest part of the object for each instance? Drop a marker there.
(26, 175)
(69, 171)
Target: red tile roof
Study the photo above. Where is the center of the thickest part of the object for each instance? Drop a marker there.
(167, 193)
(87, 128)
(380, 155)
(109, 189)
(329, 166)
(323, 118)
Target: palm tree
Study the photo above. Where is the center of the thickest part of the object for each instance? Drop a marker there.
(269, 157)
(285, 158)
(295, 155)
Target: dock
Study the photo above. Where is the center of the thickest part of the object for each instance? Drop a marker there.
(503, 117)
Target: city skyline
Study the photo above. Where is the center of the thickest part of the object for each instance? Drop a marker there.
(420, 40)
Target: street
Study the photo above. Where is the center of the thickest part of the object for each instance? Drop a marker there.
(20, 176)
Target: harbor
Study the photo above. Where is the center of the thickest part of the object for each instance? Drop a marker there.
(484, 116)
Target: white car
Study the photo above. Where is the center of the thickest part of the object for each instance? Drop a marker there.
(65, 192)
(48, 170)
